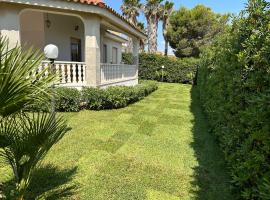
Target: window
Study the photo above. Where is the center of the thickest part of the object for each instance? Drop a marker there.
(114, 55)
(105, 53)
(75, 46)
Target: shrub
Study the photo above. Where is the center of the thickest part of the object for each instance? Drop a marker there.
(176, 70)
(67, 99)
(117, 96)
(234, 82)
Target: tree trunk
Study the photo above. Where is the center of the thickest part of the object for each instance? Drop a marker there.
(152, 33)
(166, 47)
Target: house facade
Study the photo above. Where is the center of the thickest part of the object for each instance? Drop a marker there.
(88, 33)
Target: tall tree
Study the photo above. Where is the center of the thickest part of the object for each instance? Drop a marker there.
(142, 41)
(191, 30)
(131, 10)
(153, 12)
(167, 11)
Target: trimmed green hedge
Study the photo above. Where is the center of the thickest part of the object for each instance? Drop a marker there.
(176, 70)
(117, 96)
(234, 83)
(67, 99)
(73, 100)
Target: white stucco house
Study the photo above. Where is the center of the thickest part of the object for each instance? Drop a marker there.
(88, 33)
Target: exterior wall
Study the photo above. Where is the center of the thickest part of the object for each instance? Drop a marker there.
(32, 29)
(61, 31)
(110, 44)
(10, 24)
(92, 49)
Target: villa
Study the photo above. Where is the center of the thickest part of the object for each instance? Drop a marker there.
(88, 33)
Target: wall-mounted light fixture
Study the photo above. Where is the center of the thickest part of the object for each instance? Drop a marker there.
(47, 21)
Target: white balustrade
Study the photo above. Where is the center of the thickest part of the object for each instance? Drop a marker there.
(71, 74)
(117, 72)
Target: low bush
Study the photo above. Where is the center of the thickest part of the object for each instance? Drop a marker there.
(117, 96)
(234, 83)
(67, 99)
(175, 71)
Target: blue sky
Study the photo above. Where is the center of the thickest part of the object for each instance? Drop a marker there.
(220, 6)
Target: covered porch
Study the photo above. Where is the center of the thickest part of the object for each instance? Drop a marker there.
(90, 43)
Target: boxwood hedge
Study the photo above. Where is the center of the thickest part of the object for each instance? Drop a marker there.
(234, 82)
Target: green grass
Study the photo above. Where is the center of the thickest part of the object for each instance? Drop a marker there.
(156, 149)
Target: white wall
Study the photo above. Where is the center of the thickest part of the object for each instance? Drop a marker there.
(61, 31)
(32, 29)
(34, 32)
(110, 44)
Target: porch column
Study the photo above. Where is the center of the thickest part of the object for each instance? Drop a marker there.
(136, 48)
(92, 50)
(10, 24)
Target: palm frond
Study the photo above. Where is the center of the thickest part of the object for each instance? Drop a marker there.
(22, 82)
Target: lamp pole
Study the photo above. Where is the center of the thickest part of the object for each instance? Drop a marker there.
(51, 53)
(162, 73)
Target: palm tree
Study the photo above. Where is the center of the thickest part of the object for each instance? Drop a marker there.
(167, 11)
(153, 13)
(131, 10)
(142, 41)
(25, 138)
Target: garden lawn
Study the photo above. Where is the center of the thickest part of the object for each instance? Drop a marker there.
(156, 149)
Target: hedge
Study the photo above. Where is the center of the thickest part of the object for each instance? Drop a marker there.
(234, 83)
(175, 71)
(117, 96)
(67, 99)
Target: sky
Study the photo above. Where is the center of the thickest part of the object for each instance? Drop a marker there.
(219, 6)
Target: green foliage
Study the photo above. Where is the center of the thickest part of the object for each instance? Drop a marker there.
(117, 96)
(25, 139)
(192, 29)
(234, 80)
(127, 58)
(67, 99)
(175, 71)
(18, 85)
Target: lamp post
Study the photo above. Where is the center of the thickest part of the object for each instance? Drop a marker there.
(51, 53)
(162, 73)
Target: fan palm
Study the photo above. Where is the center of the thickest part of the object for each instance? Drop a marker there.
(153, 12)
(24, 138)
(131, 10)
(21, 79)
(167, 11)
(25, 141)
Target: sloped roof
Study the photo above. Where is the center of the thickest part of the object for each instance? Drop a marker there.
(101, 4)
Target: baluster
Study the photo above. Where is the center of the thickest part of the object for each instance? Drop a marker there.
(84, 74)
(68, 73)
(63, 72)
(74, 74)
(79, 73)
(57, 73)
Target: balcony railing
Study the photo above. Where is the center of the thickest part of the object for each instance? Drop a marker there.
(71, 74)
(117, 72)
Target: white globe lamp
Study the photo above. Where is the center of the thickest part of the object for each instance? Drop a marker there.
(51, 52)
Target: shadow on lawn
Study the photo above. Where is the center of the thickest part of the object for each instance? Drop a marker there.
(211, 178)
(48, 182)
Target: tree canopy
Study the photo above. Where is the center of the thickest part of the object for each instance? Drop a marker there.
(191, 29)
